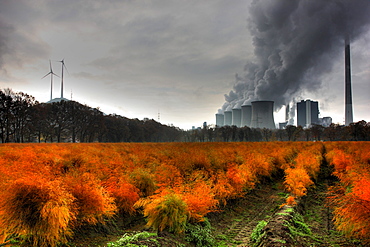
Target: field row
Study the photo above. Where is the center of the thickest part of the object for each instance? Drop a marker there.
(48, 190)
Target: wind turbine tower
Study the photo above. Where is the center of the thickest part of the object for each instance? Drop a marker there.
(51, 73)
(62, 82)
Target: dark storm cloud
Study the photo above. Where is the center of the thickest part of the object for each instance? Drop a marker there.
(125, 49)
(5, 31)
(19, 40)
(295, 44)
(126, 53)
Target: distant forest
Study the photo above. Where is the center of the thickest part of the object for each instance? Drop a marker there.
(23, 119)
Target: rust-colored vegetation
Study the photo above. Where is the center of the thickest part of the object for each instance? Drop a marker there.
(48, 190)
(350, 197)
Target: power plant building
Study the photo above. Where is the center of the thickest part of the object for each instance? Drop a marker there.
(228, 116)
(263, 114)
(246, 115)
(237, 116)
(325, 121)
(307, 113)
(220, 120)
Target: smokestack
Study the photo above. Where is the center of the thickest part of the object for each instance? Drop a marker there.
(246, 115)
(220, 119)
(287, 113)
(292, 43)
(237, 116)
(228, 118)
(348, 84)
(262, 114)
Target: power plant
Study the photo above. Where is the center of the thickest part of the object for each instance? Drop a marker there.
(237, 116)
(228, 116)
(260, 114)
(307, 113)
(220, 119)
(246, 115)
(263, 114)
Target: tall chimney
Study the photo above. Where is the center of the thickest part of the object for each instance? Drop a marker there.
(287, 112)
(348, 84)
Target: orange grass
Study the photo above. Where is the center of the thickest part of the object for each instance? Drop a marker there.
(350, 197)
(47, 190)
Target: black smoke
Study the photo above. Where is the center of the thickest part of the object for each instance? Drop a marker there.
(295, 44)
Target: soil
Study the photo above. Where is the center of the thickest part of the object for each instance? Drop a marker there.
(234, 223)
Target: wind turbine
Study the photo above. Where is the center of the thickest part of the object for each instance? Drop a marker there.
(51, 73)
(61, 87)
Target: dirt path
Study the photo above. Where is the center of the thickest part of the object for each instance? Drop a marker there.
(234, 225)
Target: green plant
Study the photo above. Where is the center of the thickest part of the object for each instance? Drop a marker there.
(283, 194)
(289, 210)
(127, 238)
(257, 233)
(221, 237)
(300, 225)
(200, 233)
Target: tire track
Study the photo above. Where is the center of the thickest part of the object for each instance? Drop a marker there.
(260, 204)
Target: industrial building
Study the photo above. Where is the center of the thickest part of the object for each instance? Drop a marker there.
(325, 121)
(237, 117)
(307, 113)
(220, 120)
(246, 117)
(228, 116)
(257, 115)
(263, 114)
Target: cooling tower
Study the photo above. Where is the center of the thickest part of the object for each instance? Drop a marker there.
(348, 84)
(220, 120)
(228, 118)
(237, 116)
(263, 114)
(246, 115)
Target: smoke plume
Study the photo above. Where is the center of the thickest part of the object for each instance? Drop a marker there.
(295, 44)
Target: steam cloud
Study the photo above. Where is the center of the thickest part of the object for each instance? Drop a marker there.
(295, 43)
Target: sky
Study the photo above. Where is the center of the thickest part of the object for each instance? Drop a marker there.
(185, 60)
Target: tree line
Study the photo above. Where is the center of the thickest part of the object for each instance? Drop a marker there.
(359, 131)
(23, 119)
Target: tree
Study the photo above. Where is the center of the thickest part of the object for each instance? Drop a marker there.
(331, 132)
(290, 130)
(15, 115)
(6, 104)
(317, 131)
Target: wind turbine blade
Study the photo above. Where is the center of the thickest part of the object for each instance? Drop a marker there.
(46, 75)
(64, 65)
(66, 68)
